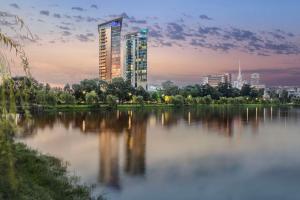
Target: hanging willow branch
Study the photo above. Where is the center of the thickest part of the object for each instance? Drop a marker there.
(12, 44)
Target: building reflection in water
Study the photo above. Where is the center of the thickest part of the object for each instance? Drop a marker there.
(109, 159)
(135, 146)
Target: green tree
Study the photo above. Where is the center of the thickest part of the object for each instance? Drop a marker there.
(190, 90)
(67, 98)
(169, 88)
(121, 89)
(140, 91)
(138, 100)
(51, 98)
(254, 93)
(155, 96)
(246, 90)
(190, 100)
(112, 101)
(67, 88)
(178, 100)
(91, 97)
(88, 85)
(41, 97)
(208, 90)
(296, 100)
(78, 92)
(225, 90)
(207, 99)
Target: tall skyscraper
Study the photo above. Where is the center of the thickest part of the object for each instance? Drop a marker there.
(110, 49)
(135, 65)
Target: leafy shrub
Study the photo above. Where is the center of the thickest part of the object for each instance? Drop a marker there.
(178, 100)
(111, 100)
(66, 98)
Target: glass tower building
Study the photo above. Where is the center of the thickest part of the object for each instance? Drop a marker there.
(135, 62)
(110, 49)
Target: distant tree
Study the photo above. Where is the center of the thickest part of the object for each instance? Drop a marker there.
(190, 100)
(51, 98)
(138, 100)
(169, 88)
(140, 91)
(284, 97)
(225, 90)
(102, 85)
(236, 92)
(211, 91)
(178, 100)
(134, 99)
(91, 97)
(121, 89)
(41, 97)
(67, 98)
(168, 99)
(111, 100)
(78, 92)
(190, 90)
(246, 90)
(46, 98)
(47, 87)
(67, 88)
(223, 100)
(261, 92)
(254, 93)
(207, 99)
(155, 96)
(273, 94)
(88, 85)
(296, 100)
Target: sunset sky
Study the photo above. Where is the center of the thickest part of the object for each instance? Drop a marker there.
(187, 38)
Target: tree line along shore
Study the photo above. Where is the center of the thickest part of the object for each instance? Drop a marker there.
(95, 94)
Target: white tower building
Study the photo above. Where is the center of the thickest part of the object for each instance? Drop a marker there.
(239, 81)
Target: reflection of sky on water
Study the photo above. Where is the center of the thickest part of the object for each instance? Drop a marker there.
(192, 154)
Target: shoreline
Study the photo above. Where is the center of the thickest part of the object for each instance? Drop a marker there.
(89, 107)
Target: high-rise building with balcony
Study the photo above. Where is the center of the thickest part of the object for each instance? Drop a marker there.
(110, 49)
(135, 62)
(215, 79)
(255, 81)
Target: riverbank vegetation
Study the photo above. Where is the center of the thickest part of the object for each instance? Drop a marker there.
(94, 93)
(27, 174)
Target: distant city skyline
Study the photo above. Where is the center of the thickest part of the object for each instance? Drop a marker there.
(187, 39)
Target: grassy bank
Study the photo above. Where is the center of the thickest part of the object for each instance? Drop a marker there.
(26, 174)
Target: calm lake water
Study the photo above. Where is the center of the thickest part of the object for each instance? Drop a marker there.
(205, 153)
